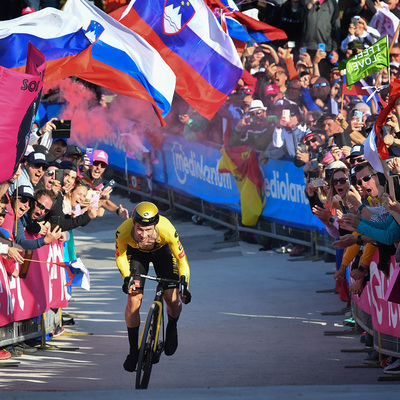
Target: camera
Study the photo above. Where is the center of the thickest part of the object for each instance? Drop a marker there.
(63, 129)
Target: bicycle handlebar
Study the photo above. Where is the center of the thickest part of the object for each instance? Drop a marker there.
(182, 280)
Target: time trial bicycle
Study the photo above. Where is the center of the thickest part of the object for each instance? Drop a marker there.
(151, 345)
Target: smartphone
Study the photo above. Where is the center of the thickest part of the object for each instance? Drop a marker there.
(302, 146)
(314, 164)
(59, 176)
(77, 209)
(54, 221)
(63, 129)
(319, 182)
(359, 115)
(342, 207)
(95, 197)
(291, 44)
(111, 184)
(303, 50)
(321, 46)
(286, 114)
(354, 21)
(89, 153)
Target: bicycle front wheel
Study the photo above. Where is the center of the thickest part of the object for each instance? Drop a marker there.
(146, 351)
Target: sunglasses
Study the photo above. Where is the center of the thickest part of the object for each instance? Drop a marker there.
(101, 163)
(38, 166)
(310, 122)
(356, 160)
(42, 207)
(23, 199)
(50, 173)
(394, 54)
(247, 91)
(365, 179)
(255, 113)
(312, 140)
(279, 73)
(342, 181)
(322, 84)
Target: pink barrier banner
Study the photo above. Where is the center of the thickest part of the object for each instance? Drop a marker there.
(385, 315)
(42, 289)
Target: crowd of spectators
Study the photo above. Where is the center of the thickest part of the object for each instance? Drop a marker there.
(289, 104)
(56, 189)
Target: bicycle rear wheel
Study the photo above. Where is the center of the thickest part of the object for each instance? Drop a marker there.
(146, 351)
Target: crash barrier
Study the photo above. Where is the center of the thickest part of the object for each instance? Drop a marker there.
(184, 175)
(377, 309)
(31, 307)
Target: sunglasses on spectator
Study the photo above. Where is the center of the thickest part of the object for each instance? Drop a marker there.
(310, 122)
(246, 90)
(279, 73)
(395, 55)
(42, 207)
(256, 113)
(312, 140)
(23, 199)
(50, 173)
(322, 84)
(342, 181)
(365, 179)
(356, 160)
(38, 166)
(101, 163)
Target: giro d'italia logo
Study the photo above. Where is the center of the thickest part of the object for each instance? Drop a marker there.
(177, 14)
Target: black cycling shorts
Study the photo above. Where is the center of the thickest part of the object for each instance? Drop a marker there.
(164, 263)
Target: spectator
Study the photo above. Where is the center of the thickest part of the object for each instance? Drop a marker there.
(33, 170)
(95, 173)
(57, 149)
(280, 78)
(253, 129)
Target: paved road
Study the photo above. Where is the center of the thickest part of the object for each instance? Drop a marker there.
(253, 330)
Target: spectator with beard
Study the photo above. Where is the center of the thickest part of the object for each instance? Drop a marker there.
(253, 129)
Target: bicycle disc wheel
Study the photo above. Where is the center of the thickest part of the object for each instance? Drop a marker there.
(146, 351)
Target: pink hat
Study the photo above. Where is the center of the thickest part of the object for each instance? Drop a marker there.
(27, 10)
(100, 155)
(271, 89)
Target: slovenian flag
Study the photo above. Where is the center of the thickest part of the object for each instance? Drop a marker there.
(190, 39)
(78, 274)
(60, 39)
(259, 31)
(123, 62)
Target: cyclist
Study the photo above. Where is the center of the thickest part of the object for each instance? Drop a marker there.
(144, 238)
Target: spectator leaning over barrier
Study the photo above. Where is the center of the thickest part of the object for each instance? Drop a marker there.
(95, 173)
(32, 171)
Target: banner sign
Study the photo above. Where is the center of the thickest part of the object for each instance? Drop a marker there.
(42, 289)
(385, 315)
(285, 200)
(193, 168)
(20, 95)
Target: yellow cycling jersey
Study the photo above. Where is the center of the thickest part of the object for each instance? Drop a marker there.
(167, 235)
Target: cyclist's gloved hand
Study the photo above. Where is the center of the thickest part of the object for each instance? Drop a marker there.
(187, 296)
(125, 286)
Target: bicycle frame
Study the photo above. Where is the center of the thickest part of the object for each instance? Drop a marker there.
(150, 334)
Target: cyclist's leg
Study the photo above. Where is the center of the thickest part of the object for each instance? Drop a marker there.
(139, 265)
(165, 266)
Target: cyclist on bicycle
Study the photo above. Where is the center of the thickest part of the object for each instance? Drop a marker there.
(144, 238)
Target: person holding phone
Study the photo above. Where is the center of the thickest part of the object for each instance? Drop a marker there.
(287, 133)
(95, 175)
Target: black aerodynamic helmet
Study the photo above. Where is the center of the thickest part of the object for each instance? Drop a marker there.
(146, 213)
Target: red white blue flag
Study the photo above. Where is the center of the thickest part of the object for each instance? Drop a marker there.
(190, 39)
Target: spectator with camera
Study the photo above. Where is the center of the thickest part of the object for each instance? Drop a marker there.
(289, 131)
(253, 129)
